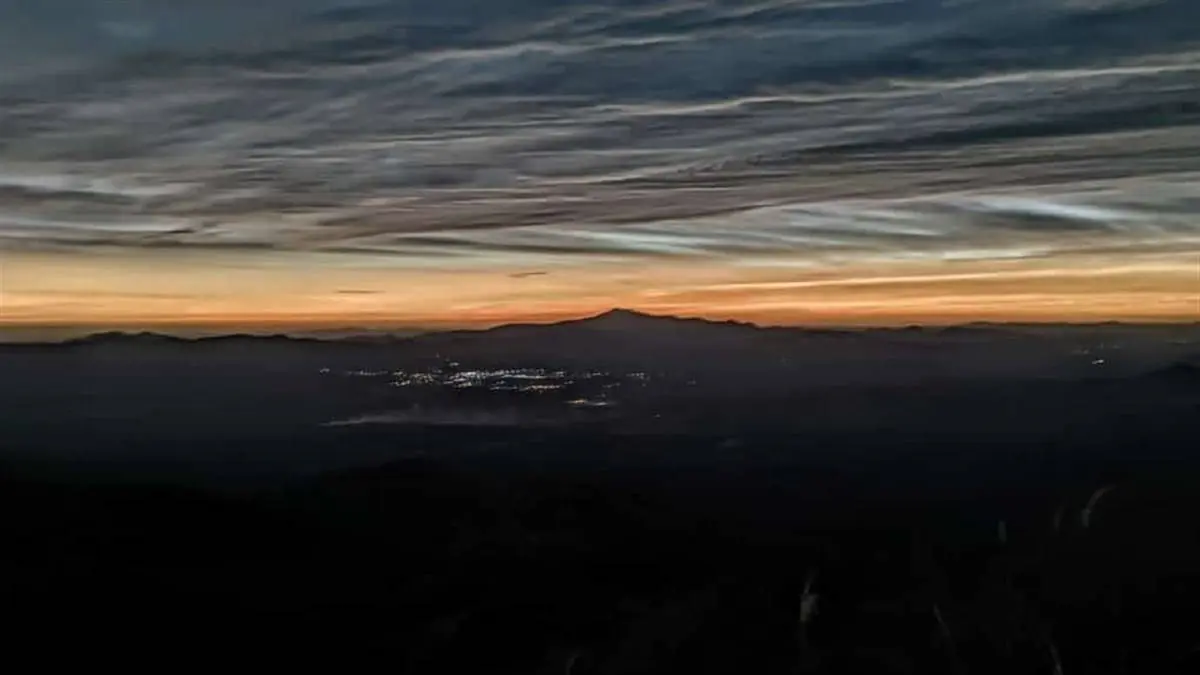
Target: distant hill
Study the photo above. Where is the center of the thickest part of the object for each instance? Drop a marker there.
(724, 352)
(118, 337)
(619, 322)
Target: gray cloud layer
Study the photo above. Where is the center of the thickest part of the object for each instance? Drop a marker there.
(478, 130)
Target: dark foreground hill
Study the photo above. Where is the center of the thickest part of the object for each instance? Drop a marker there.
(427, 566)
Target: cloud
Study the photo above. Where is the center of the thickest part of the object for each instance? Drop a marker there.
(357, 291)
(96, 294)
(529, 133)
(527, 275)
(1001, 225)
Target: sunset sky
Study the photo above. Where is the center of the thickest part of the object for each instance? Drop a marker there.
(317, 164)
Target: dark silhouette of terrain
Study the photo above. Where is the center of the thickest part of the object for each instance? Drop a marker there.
(440, 567)
(983, 499)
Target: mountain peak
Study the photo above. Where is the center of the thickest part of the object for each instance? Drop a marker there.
(627, 318)
(621, 318)
(623, 314)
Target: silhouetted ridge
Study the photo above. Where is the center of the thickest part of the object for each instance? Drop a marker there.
(119, 337)
(619, 317)
(149, 339)
(613, 321)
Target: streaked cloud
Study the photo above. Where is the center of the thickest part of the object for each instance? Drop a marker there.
(439, 143)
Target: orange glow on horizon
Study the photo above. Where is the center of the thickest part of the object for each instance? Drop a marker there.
(61, 291)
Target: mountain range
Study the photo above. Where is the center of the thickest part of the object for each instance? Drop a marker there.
(616, 322)
(728, 351)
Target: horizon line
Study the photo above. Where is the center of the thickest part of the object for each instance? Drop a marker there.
(201, 331)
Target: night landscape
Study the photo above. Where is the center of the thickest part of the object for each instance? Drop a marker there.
(608, 338)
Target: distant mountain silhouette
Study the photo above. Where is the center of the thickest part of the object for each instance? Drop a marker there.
(628, 319)
(148, 339)
(790, 357)
(619, 336)
(118, 337)
(612, 322)
(617, 321)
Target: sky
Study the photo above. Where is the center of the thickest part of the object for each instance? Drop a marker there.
(301, 164)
